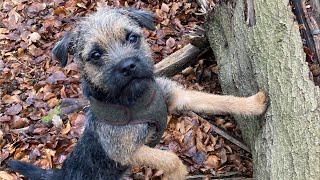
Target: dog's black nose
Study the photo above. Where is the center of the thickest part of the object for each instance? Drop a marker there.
(127, 66)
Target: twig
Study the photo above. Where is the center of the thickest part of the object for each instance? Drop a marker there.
(226, 135)
(226, 176)
(229, 137)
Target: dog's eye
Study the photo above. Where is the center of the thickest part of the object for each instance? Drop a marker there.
(96, 55)
(133, 38)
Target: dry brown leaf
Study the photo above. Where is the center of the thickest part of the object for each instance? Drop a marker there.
(40, 130)
(170, 42)
(18, 122)
(49, 153)
(48, 95)
(5, 118)
(36, 7)
(175, 6)
(57, 76)
(1, 65)
(66, 130)
(223, 155)
(7, 99)
(174, 146)
(53, 102)
(212, 162)
(81, 5)
(34, 37)
(136, 169)
(199, 157)
(60, 10)
(14, 16)
(229, 125)
(5, 176)
(14, 110)
(219, 121)
(148, 172)
(165, 8)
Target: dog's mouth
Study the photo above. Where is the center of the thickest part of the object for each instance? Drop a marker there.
(137, 82)
(133, 89)
(134, 80)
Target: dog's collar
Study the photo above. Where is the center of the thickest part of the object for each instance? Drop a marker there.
(151, 108)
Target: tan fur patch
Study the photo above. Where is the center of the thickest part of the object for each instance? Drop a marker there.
(211, 103)
(169, 162)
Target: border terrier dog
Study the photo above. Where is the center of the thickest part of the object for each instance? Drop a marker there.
(129, 105)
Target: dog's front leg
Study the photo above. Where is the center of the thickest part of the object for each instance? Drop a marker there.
(182, 99)
(211, 103)
(167, 161)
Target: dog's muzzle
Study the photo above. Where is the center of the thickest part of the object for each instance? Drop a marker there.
(128, 67)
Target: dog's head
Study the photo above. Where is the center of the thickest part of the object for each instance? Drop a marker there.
(112, 55)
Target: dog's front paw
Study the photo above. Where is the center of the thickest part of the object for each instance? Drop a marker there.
(180, 173)
(260, 102)
(176, 169)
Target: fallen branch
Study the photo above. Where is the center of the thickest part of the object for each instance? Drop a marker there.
(178, 61)
(225, 176)
(69, 105)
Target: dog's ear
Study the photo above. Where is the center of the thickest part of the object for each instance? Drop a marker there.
(144, 18)
(64, 47)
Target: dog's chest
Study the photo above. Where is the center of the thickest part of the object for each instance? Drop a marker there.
(151, 108)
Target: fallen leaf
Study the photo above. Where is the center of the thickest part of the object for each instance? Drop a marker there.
(14, 110)
(36, 7)
(5, 118)
(81, 5)
(165, 7)
(60, 10)
(34, 37)
(223, 155)
(18, 122)
(170, 42)
(5, 176)
(174, 146)
(175, 6)
(57, 76)
(1, 65)
(53, 102)
(7, 99)
(66, 130)
(212, 162)
(14, 16)
(199, 157)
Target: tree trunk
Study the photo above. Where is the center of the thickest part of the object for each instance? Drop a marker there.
(268, 55)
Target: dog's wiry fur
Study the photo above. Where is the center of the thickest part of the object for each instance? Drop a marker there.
(105, 151)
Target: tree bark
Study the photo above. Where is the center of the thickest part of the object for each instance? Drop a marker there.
(268, 55)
